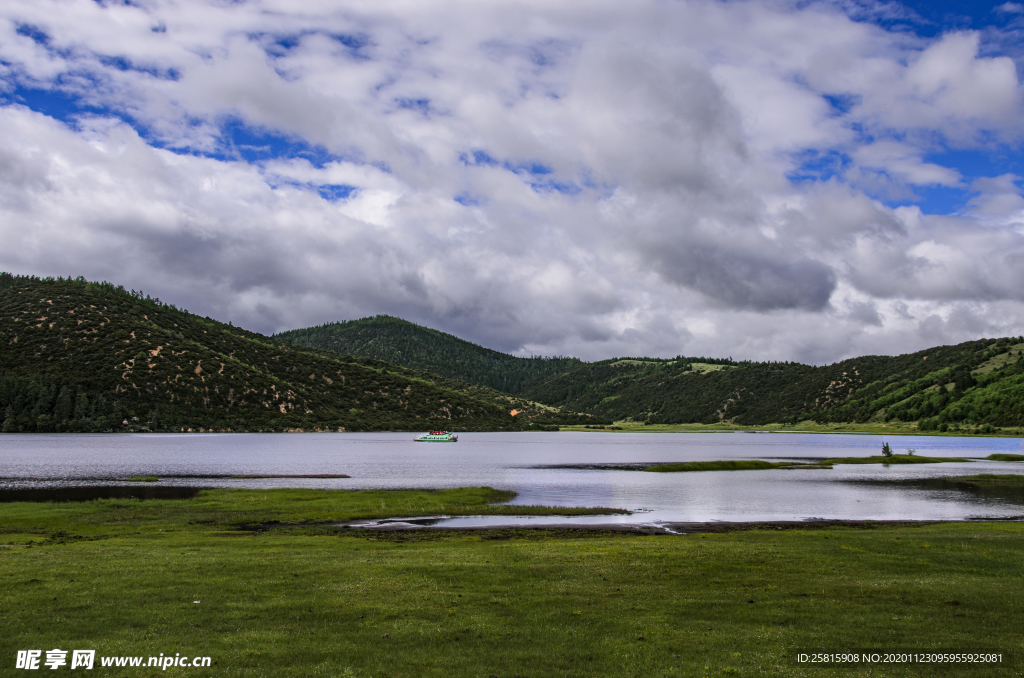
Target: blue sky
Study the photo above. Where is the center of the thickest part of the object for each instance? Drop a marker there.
(770, 180)
(929, 20)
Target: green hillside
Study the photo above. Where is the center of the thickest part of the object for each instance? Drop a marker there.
(401, 342)
(977, 383)
(82, 356)
(974, 384)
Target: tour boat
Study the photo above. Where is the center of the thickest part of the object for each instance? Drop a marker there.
(438, 437)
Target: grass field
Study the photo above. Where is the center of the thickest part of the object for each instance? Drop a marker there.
(300, 598)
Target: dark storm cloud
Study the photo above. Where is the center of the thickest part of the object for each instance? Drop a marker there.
(745, 280)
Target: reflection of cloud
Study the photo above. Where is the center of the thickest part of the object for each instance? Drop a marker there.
(587, 178)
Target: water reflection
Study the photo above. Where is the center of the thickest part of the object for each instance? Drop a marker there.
(554, 469)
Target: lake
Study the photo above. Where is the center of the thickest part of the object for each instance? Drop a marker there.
(554, 469)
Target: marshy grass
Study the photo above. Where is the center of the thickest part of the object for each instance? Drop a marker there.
(1005, 457)
(729, 465)
(759, 465)
(894, 459)
(234, 509)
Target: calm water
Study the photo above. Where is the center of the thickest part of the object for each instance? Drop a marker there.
(525, 462)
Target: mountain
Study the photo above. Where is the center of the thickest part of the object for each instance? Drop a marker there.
(84, 356)
(978, 383)
(401, 342)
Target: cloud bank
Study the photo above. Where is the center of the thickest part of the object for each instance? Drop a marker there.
(589, 178)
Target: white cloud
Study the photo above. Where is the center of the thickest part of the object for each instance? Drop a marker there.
(998, 200)
(623, 172)
(904, 162)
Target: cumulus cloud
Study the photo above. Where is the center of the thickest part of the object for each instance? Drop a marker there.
(574, 178)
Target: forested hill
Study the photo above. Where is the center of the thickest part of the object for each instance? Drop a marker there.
(82, 356)
(401, 342)
(977, 383)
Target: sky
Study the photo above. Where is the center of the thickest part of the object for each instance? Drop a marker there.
(760, 179)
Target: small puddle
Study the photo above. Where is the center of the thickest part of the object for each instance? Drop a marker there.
(402, 522)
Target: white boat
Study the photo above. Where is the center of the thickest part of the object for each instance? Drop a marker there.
(438, 437)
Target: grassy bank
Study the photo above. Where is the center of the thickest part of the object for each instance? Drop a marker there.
(310, 601)
(894, 428)
(759, 465)
(249, 509)
(728, 465)
(894, 459)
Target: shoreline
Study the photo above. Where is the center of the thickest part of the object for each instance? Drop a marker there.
(842, 429)
(681, 528)
(618, 427)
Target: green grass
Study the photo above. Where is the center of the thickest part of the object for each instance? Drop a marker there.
(143, 479)
(728, 465)
(1005, 457)
(894, 459)
(303, 601)
(233, 509)
(759, 465)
